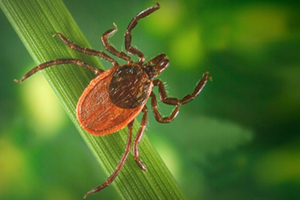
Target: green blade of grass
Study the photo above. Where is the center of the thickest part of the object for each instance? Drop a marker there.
(35, 22)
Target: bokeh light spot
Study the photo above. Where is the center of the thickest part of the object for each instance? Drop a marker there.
(46, 114)
(12, 167)
(279, 166)
(186, 48)
(169, 155)
(58, 193)
(165, 20)
(260, 24)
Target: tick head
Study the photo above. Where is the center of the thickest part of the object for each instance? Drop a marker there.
(156, 65)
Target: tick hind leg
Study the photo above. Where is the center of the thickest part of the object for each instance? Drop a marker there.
(138, 138)
(87, 51)
(174, 101)
(130, 49)
(59, 62)
(110, 48)
(119, 166)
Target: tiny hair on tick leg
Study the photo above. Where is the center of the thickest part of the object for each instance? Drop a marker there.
(115, 97)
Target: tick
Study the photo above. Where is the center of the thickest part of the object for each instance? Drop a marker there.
(116, 96)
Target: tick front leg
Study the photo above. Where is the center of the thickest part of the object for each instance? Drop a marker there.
(138, 138)
(110, 48)
(174, 101)
(59, 62)
(157, 114)
(119, 166)
(88, 51)
(200, 85)
(130, 49)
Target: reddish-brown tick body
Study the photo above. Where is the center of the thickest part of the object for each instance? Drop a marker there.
(113, 99)
(116, 96)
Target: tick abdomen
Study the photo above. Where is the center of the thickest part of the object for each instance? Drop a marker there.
(96, 111)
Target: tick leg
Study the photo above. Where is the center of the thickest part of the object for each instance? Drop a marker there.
(138, 138)
(200, 85)
(110, 48)
(174, 101)
(59, 62)
(157, 114)
(130, 49)
(87, 51)
(119, 166)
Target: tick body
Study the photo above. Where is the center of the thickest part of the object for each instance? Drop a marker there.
(113, 99)
(116, 96)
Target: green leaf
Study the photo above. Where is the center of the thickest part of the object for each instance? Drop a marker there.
(35, 22)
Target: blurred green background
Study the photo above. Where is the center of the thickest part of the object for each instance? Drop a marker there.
(239, 139)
